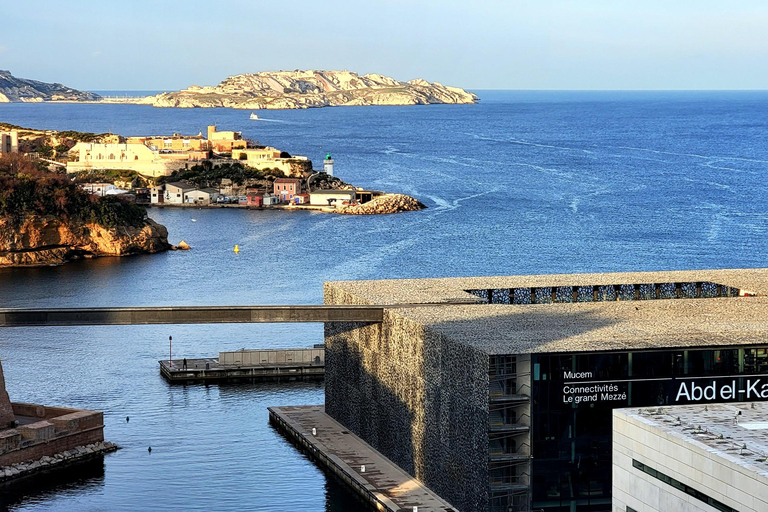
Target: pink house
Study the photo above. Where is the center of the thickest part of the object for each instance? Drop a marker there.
(287, 188)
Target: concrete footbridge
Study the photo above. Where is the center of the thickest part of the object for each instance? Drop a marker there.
(189, 315)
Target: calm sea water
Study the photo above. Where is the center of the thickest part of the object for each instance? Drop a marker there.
(521, 183)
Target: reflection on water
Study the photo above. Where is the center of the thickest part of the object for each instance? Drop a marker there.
(39, 488)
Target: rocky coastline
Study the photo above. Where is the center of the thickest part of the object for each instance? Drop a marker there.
(79, 454)
(386, 203)
(42, 240)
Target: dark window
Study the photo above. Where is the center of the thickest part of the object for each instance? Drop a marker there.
(571, 425)
(677, 484)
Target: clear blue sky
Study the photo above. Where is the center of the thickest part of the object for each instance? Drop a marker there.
(494, 44)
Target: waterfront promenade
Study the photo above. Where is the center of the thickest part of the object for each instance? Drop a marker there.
(375, 478)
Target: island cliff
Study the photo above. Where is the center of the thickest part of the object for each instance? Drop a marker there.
(305, 89)
(47, 220)
(47, 240)
(14, 89)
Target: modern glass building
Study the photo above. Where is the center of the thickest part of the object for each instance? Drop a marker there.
(498, 392)
(573, 397)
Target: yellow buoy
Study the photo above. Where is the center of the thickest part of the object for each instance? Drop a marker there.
(237, 248)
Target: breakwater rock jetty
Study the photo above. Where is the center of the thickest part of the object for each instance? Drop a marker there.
(37, 240)
(14, 89)
(387, 203)
(306, 89)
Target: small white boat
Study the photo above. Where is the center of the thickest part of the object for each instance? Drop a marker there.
(254, 116)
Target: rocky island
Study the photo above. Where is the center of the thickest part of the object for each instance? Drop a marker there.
(47, 220)
(306, 89)
(14, 89)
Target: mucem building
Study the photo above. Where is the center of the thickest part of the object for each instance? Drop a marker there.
(497, 392)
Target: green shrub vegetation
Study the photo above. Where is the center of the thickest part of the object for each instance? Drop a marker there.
(26, 189)
(208, 174)
(112, 175)
(80, 136)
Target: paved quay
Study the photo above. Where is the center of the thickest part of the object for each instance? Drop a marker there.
(383, 484)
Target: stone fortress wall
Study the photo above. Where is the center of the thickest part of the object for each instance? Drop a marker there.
(45, 431)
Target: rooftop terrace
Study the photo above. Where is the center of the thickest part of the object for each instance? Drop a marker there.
(578, 312)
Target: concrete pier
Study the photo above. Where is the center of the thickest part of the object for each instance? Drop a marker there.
(374, 477)
(209, 369)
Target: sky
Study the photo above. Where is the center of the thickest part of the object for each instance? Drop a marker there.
(493, 44)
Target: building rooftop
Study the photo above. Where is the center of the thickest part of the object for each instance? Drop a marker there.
(182, 185)
(702, 308)
(336, 191)
(737, 432)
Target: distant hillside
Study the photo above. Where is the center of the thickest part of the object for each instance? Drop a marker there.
(305, 89)
(14, 89)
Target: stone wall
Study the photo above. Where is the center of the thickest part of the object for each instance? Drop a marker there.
(55, 430)
(414, 395)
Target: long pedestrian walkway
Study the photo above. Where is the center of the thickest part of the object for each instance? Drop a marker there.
(378, 480)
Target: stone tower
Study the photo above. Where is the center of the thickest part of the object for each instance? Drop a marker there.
(6, 411)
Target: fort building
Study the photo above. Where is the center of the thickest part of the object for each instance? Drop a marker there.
(175, 142)
(225, 141)
(499, 393)
(86, 156)
(264, 158)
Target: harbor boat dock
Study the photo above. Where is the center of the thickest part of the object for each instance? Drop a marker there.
(253, 364)
(375, 478)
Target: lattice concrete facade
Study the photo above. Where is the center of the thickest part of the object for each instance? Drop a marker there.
(443, 385)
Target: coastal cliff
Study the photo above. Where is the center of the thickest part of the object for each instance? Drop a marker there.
(45, 219)
(307, 89)
(47, 240)
(13, 89)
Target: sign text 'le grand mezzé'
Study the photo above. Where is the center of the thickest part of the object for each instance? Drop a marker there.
(578, 388)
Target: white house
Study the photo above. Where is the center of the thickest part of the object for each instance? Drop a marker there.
(270, 200)
(99, 189)
(330, 197)
(170, 193)
(205, 196)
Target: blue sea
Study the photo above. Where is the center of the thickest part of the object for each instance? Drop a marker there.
(521, 183)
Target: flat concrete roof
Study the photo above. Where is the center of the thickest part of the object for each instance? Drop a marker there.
(445, 307)
(719, 428)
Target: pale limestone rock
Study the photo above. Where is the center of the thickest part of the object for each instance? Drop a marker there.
(308, 89)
